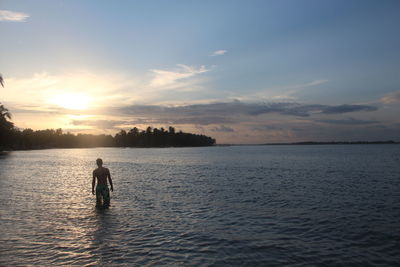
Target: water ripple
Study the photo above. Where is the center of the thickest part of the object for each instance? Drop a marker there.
(280, 205)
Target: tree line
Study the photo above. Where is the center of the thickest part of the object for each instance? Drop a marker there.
(160, 138)
(12, 138)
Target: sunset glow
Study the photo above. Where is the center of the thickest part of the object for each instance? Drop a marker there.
(74, 101)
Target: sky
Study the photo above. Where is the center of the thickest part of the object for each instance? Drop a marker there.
(243, 72)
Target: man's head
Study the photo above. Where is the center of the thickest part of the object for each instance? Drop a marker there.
(99, 162)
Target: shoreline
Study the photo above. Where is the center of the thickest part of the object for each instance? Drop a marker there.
(220, 145)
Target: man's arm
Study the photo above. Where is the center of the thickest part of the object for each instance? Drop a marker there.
(110, 180)
(93, 182)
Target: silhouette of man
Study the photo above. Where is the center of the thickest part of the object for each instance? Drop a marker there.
(102, 191)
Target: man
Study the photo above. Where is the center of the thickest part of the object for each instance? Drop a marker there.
(102, 191)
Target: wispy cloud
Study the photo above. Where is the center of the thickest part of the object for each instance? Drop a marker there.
(348, 121)
(391, 98)
(290, 90)
(100, 124)
(219, 53)
(280, 93)
(7, 15)
(223, 129)
(170, 78)
(346, 108)
(302, 85)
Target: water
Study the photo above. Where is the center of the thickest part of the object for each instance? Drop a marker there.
(240, 205)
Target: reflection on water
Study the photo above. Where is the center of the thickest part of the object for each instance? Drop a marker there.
(307, 205)
(104, 225)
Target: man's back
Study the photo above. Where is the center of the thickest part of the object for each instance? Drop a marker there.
(102, 191)
(101, 174)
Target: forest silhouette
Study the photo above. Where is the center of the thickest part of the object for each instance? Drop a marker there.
(15, 139)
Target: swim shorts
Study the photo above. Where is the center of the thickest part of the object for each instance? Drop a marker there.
(102, 193)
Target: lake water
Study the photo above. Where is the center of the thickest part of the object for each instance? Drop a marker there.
(237, 205)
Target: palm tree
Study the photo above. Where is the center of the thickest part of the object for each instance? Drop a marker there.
(5, 126)
(4, 113)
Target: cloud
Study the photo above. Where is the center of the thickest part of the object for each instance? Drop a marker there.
(391, 98)
(196, 120)
(218, 53)
(34, 109)
(349, 121)
(170, 78)
(227, 112)
(281, 93)
(303, 85)
(100, 124)
(181, 119)
(7, 15)
(223, 129)
(267, 128)
(347, 108)
(242, 108)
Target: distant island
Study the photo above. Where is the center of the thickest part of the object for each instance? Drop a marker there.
(15, 139)
(335, 143)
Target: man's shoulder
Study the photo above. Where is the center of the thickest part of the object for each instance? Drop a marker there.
(101, 170)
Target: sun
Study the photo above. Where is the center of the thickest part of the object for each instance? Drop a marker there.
(76, 101)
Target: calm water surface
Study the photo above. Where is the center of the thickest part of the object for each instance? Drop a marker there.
(239, 205)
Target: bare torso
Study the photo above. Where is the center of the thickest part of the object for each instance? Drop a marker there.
(101, 174)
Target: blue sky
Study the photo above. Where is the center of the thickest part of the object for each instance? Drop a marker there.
(240, 71)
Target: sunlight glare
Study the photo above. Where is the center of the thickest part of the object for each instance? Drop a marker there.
(74, 101)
